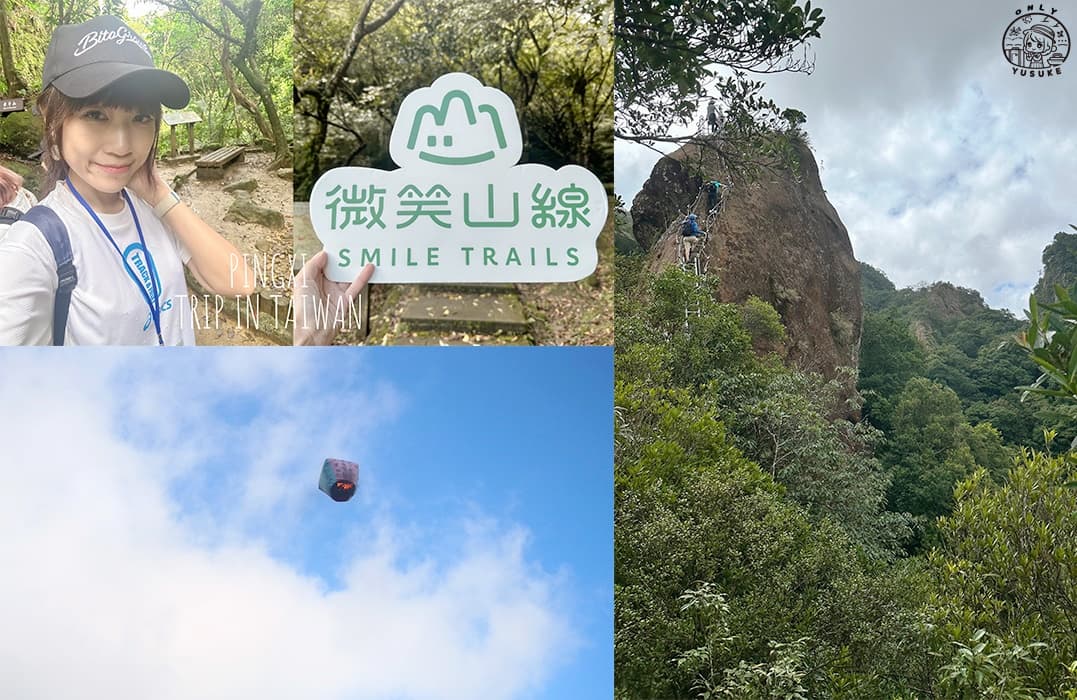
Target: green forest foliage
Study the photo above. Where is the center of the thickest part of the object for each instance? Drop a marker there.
(875, 288)
(1051, 340)
(761, 543)
(889, 357)
(179, 44)
(554, 59)
(950, 336)
(932, 447)
(193, 50)
(1005, 581)
(668, 53)
(768, 547)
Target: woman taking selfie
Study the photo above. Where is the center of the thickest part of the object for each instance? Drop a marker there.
(100, 260)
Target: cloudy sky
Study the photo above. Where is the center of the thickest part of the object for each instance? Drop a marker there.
(942, 164)
(162, 535)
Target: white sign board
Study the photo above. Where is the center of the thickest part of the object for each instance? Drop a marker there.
(459, 208)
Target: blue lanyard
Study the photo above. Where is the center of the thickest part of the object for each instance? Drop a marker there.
(155, 302)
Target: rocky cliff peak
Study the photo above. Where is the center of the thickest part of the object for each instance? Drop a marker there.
(777, 238)
(1059, 265)
(947, 302)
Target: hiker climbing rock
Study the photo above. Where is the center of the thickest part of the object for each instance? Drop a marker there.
(714, 195)
(690, 233)
(714, 120)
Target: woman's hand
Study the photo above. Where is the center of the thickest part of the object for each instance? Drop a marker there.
(312, 288)
(148, 185)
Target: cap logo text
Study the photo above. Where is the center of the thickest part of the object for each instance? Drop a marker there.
(119, 36)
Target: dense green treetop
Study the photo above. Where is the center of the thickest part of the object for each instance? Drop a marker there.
(673, 56)
(669, 52)
(1051, 342)
(876, 289)
(1006, 582)
(554, 59)
(948, 335)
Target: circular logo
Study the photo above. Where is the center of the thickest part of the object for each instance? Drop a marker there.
(1036, 41)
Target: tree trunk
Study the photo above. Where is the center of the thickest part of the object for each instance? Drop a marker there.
(228, 108)
(241, 99)
(309, 162)
(249, 69)
(15, 84)
(246, 63)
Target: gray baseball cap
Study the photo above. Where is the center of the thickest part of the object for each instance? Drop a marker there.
(84, 59)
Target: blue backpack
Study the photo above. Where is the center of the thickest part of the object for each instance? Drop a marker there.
(55, 233)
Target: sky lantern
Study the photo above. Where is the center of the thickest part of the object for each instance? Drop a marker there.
(339, 479)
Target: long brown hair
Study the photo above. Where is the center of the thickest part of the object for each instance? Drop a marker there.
(56, 108)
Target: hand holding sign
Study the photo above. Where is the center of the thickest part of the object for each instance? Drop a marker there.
(316, 300)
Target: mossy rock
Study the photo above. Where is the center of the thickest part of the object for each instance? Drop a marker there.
(20, 133)
(245, 185)
(245, 211)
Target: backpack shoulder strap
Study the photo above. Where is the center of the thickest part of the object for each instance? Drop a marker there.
(50, 225)
(9, 215)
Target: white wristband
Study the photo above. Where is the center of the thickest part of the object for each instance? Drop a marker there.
(166, 204)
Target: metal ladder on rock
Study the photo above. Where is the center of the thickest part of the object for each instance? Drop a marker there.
(697, 261)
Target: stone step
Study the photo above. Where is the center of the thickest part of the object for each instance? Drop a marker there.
(470, 288)
(435, 340)
(467, 313)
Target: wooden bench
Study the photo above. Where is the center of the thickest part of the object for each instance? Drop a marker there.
(213, 165)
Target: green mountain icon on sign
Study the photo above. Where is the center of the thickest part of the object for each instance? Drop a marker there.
(439, 146)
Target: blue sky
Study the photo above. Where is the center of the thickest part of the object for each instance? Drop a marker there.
(475, 561)
(942, 164)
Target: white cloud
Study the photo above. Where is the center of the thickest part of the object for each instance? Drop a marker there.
(109, 590)
(278, 417)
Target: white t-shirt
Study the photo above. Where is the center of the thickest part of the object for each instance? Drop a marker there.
(107, 307)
